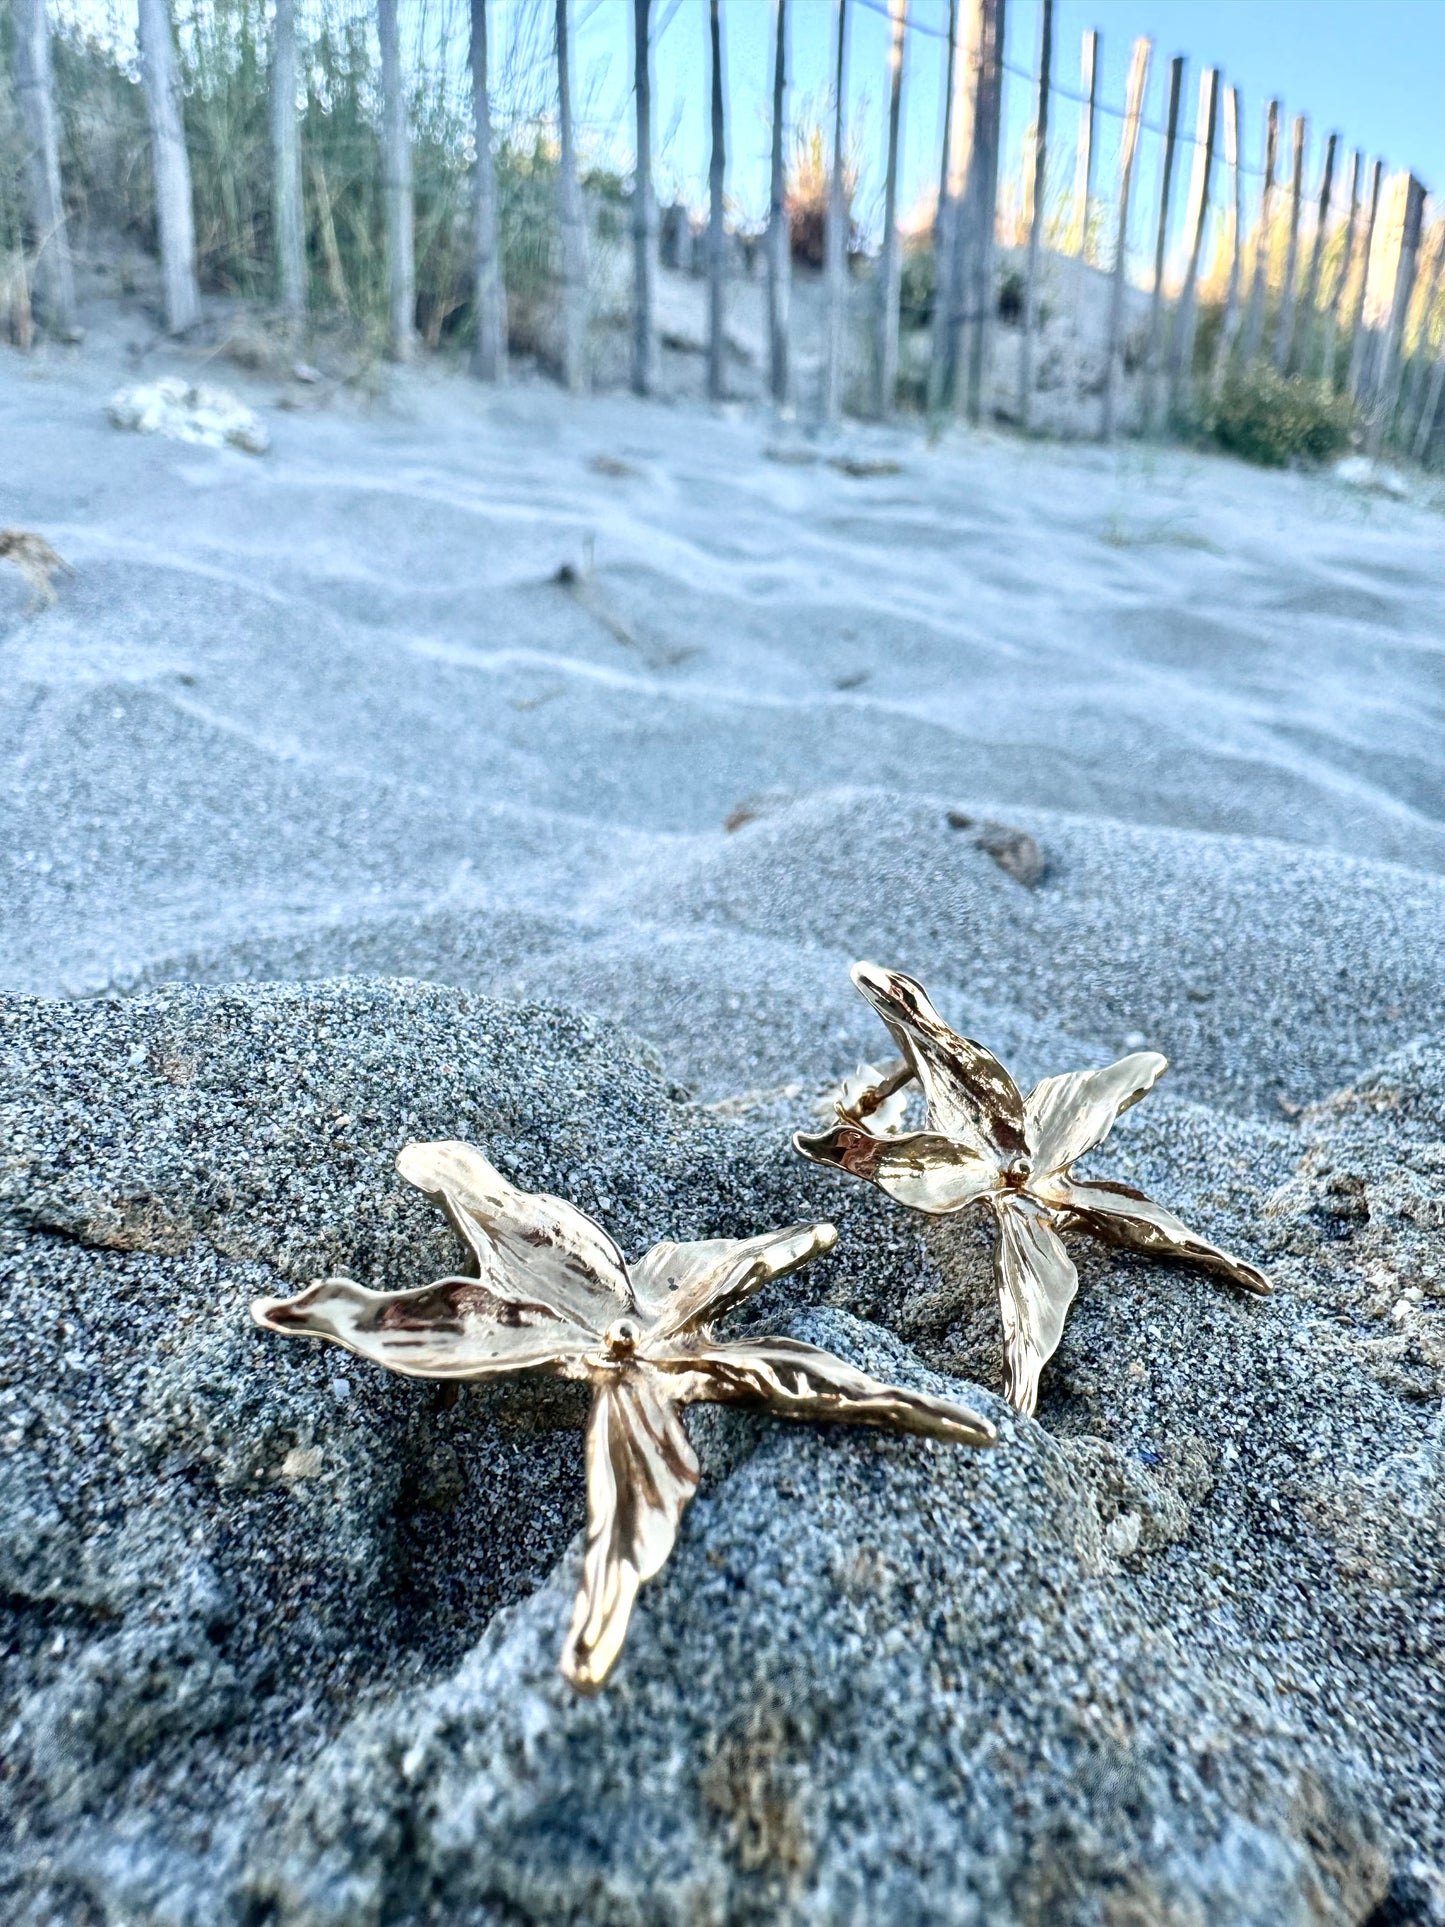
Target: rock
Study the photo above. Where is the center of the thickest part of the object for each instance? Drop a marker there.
(37, 562)
(862, 1699)
(1014, 851)
(189, 412)
(281, 1644)
(250, 344)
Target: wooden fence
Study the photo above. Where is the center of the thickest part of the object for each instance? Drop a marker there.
(1176, 269)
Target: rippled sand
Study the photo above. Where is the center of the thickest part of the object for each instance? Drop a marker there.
(332, 709)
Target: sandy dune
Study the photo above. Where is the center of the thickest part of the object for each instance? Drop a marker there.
(330, 709)
(468, 688)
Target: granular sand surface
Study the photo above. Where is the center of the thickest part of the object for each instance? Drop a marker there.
(622, 763)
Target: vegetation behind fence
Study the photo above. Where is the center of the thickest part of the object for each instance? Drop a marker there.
(441, 186)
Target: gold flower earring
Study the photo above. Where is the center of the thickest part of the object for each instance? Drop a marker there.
(552, 1293)
(984, 1142)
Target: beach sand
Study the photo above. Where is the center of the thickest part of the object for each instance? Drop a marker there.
(331, 709)
(660, 714)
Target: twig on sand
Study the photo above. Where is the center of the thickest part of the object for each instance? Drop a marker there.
(578, 584)
(863, 466)
(1014, 851)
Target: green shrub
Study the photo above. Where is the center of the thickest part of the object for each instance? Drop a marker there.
(12, 152)
(224, 60)
(105, 156)
(1275, 419)
(1011, 290)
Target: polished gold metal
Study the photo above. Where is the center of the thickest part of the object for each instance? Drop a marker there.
(552, 1293)
(984, 1142)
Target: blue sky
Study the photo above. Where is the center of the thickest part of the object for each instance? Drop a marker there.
(1372, 70)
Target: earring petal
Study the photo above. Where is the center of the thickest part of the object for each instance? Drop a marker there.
(1036, 1286)
(457, 1328)
(683, 1286)
(641, 1472)
(921, 1169)
(1068, 1115)
(1120, 1215)
(794, 1380)
(969, 1093)
(526, 1244)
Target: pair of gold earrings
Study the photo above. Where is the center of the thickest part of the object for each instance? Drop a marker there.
(552, 1293)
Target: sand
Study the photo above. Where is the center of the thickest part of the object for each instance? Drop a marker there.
(330, 708)
(332, 711)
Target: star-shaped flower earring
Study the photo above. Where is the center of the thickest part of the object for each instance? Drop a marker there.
(985, 1142)
(553, 1294)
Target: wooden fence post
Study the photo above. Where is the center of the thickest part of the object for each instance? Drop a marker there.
(286, 204)
(1128, 147)
(396, 186)
(1303, 355)
(1359, 339)
(1039, 213)
(1347, 256)
(948, 248)
(1412, 400)
(1084, 168)
(983, 199)
(489, 352)
(890, 264)
(1387, 373)
(716, 233)
(1084, 162)
(1196, 221)
(835, 239)
(1259, 281)
(644, 209)
(780, 250)
(1156, 302)
(943, 225)
(1284, 333)
(35, 88)
(1425, 427)
(170, 166)
(572, 221)
(1229, 326)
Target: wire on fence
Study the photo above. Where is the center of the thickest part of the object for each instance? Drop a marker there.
(440, 73)
(1182, 138)
(1055, 87)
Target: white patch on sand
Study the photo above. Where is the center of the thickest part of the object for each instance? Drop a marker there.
(188, 412)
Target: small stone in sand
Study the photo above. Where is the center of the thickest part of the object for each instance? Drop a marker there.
(1014, 851)
(36, 561)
